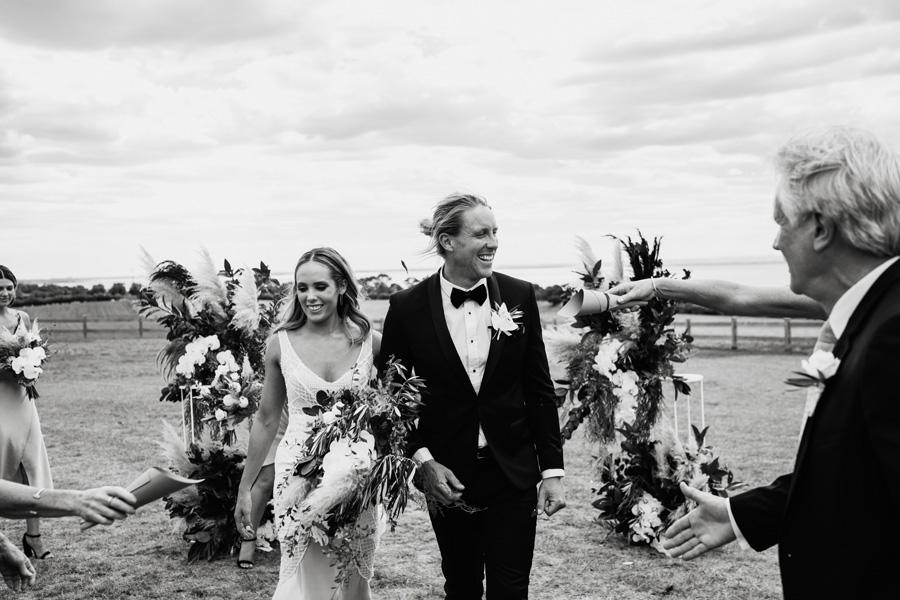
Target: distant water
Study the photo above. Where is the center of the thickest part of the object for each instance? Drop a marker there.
(762, 271)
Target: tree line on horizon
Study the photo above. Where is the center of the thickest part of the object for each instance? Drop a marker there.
(373, 287)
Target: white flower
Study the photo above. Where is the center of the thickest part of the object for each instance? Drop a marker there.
(229, 401)
(246, 368)
(503, 321)
(37, 355)
(243, 402)
(211, 342)
(25, 366)
(221, 415)
(607, 354)
(821, 365)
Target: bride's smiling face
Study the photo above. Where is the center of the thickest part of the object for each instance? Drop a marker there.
(317, 292)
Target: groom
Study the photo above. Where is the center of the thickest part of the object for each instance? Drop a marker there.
(488, 432)
(834, 517)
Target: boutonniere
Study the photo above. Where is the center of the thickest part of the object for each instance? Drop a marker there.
(817, 369)
(505, 321)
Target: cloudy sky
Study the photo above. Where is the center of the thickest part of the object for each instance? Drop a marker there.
(259, 129)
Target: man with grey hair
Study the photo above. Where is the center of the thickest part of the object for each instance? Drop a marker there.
(833, 517)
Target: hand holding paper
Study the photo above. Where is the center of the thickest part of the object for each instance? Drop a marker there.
(151, 485)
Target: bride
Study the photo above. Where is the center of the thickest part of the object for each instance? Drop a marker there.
(323, 342)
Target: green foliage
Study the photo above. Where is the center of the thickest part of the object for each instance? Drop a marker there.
(209, 518)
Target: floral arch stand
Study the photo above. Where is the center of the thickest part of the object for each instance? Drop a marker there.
(617, 368)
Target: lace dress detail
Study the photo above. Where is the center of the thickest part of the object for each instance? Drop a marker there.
(302, 386)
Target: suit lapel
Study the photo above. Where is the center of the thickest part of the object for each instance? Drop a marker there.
(496, 347)
(843, 346)
(451, 356)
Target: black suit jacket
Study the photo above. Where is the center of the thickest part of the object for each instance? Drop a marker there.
(515, 406)
(836, 518)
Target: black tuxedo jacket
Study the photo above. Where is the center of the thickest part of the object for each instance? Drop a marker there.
(515, 407)
(836, 518)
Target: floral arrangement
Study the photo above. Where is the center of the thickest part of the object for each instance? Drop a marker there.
(218, 321)
(616, 371)
(22, 353)
(638, 494)
(355, 463)
(204, 513)
(228, 309)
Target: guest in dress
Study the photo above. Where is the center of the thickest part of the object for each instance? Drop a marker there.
(23, 456)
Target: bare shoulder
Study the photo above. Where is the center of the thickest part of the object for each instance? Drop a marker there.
(273, 350)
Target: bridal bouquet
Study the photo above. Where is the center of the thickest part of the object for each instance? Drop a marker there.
(354, 464)
(22, 354)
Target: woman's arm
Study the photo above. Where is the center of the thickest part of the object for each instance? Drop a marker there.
(262, 434)
(98, 505)
(723, 296)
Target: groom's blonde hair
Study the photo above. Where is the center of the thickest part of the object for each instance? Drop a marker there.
(848, 176)
(447, 218)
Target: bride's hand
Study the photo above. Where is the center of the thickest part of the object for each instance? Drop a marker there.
(242, 515)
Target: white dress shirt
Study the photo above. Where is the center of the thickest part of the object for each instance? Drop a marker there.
(469, 326)
(840, 315)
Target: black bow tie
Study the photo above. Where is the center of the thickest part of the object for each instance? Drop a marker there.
(458, 296)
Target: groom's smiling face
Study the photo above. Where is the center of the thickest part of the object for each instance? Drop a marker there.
(469, 255)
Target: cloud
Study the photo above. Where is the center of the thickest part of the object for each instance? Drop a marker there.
(92, 24)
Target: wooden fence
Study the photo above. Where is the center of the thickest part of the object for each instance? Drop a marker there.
(733, 332)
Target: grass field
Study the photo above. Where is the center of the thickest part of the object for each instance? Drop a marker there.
(101, 421)
(118, 319)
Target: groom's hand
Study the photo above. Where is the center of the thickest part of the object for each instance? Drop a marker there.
(706, 527)
(440, 483)
(551, 496)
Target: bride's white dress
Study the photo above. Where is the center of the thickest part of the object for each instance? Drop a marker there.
(307, 573)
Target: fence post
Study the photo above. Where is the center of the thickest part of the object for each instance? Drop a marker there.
(787, 335)
(140, 326)
(734, 333)
(84, 328)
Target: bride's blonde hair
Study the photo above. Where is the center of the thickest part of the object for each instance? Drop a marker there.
(292, 315)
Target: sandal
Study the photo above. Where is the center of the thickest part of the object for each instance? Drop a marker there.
(244, 563)
(30, 552)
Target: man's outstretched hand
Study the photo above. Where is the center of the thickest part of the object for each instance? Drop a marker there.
(707, 526)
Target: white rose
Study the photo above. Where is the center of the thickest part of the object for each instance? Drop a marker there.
(212, 342)
(243, 402)
(221, 415)
(229, 401)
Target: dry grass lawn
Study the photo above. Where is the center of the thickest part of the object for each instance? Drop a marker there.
(101, 420)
